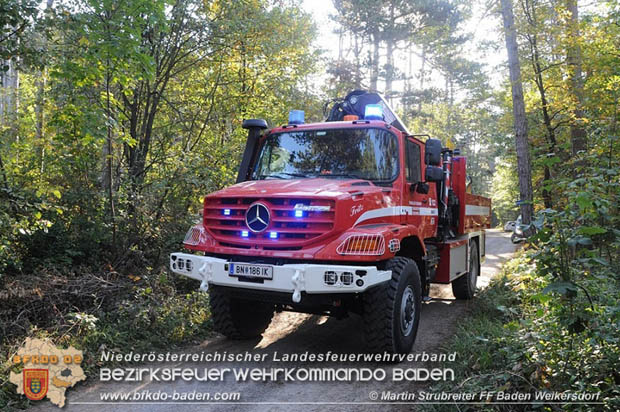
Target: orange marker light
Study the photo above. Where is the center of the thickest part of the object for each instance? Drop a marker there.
(350, 117)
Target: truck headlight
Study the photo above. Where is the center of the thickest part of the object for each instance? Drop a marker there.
(197, 235)
(363, 244)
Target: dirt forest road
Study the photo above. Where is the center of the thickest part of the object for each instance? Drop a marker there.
(298, 333)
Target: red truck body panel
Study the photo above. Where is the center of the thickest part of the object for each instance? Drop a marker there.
(476, 215)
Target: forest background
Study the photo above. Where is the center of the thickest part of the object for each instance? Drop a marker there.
(117, 116)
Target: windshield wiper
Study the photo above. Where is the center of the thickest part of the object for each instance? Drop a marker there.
(278, 175)
(348, 175)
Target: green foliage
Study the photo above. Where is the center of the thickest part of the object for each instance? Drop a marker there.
(107, 147)
(22, 216)
(133, 119)
(522, 338)
(15, 20)
(551, 321)
(505, 193)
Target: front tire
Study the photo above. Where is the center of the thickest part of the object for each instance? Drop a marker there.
(392, 310)
(465, 286)
(238, 318)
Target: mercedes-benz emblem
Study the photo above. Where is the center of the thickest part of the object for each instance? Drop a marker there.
(257, 217)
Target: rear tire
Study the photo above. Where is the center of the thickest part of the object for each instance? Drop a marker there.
(465, 286)
(392, 310)
(238, 318)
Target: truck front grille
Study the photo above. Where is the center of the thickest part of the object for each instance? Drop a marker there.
(293, 223)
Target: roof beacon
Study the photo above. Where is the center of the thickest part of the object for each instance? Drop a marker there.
(296, 117)
(373, 112)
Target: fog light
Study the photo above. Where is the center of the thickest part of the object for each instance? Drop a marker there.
(359, 283)
(346, 278)
(330, 278)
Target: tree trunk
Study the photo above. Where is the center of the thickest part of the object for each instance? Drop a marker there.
(422, 78)
(530, 11)
(518, 108)
(389, 69)
(389, 65)
(39, 114)
(408, 92)
(340, 44)
(577, 132)
(374, 69)
(8, 91)
(358, 70)
(109, 146)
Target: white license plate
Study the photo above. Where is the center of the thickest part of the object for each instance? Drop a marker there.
(250, 271)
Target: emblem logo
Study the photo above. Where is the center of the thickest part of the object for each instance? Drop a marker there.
(307, 208)
(36, 383)
(257, 217)
(356, 209)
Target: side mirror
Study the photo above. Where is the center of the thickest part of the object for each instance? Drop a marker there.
(434, 174)
(432, 152)
(254, 123)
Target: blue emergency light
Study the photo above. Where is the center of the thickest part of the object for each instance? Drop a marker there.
(273, 235)
(245, 233)
(226, 212)
(299, 213)
(373, 112)
(296, 117)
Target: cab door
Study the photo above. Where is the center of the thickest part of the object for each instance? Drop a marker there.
(422, 207)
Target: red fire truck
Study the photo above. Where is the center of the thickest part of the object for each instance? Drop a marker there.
(351, 215)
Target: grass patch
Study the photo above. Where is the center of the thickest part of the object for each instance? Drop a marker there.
(516, 340)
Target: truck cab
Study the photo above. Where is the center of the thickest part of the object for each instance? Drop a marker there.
(350, 215)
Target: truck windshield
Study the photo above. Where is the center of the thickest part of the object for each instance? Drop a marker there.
(370, 154)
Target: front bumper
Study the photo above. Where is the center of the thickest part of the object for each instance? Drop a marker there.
(292, 278)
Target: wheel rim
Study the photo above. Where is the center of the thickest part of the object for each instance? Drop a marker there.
(407, 311)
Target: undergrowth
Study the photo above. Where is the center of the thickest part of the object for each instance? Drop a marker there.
(100, 312)
(520, 337)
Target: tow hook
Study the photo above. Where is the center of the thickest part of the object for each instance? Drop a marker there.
(204, 285)
(298, 279)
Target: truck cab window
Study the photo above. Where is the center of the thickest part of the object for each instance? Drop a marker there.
(413, 162)
(345, 153)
